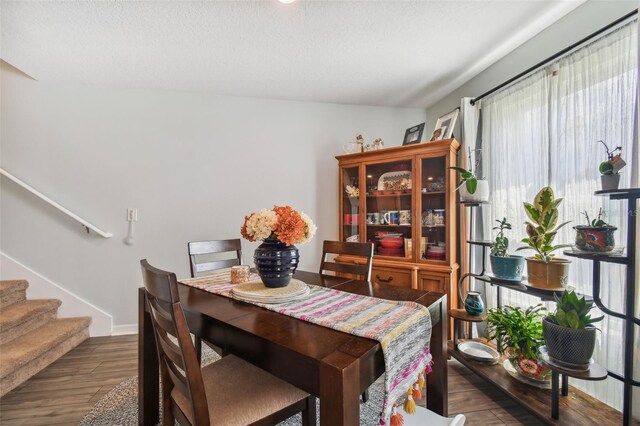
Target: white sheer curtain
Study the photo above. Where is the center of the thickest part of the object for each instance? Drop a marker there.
(544, 131)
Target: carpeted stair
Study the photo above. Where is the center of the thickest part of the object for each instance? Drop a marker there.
(31, 335)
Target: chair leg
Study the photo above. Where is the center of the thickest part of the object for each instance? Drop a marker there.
(198, 347)
(168, 418)
(309, 414)
(365, 396)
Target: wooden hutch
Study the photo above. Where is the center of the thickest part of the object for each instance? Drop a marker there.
(404, 193)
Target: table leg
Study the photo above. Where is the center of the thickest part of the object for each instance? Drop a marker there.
(339, 390)
(437, 381)
(555, 398)
(148, 380)
(565, 385)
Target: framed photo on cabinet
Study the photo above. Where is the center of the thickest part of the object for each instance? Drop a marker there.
(444, 125)
(413, 134)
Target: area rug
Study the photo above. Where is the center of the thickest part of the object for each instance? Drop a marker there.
(120, 406)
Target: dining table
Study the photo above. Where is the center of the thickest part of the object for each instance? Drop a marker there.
(332, 365)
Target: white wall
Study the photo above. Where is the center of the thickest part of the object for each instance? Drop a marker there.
(573, 27)
(193, 164)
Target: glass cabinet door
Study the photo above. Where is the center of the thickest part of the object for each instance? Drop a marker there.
(434, 215)
(350, 203)
(389, 215)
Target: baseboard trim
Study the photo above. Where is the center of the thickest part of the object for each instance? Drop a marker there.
(122, 329)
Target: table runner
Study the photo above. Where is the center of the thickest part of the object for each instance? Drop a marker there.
(402, 328)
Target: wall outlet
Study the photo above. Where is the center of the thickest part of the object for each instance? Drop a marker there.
(132, 214)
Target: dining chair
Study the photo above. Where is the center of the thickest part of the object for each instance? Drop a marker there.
(201, 263)
(229, 391)
(362, 250)
(200, 253)
(360, 270)
(423, 417)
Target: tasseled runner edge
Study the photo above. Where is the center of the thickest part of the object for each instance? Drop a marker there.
(414, 393)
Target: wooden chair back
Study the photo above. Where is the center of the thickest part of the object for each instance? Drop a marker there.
(362, 250)
(197, 249)
(179, 367)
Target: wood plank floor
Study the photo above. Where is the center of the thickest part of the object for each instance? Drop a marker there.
(64, 392)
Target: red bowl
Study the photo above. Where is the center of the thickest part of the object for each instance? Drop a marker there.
(391, 242)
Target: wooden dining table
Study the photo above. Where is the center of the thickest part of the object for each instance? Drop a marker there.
(334, 366)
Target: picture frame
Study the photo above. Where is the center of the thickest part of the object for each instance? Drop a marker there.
(447, 123)
(413, 134)
(438, 134)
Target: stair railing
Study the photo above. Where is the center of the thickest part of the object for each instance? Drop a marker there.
(88, 226)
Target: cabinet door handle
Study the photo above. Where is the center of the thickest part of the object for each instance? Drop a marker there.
(388, 280)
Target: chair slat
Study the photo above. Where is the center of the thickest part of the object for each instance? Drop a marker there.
(171, 350)
(346, 268)
(364, 250)
(165, 322)
(218, 264)
(197, 249)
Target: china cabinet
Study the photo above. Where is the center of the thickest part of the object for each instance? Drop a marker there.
(402, 200)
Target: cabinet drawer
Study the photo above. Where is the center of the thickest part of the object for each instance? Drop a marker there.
(390, 276)
(433, 282)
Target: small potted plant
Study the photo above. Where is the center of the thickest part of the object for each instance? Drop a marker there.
(610, 178)
(596, 236)
(519, 335)
(544, 270)
(472, 188)
(569, 333)
(503, 265)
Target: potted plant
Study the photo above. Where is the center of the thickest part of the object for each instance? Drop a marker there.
(503, 265)
(519, 335)
(569, 333)
(472, 188)
(610, 178)
(596, 236)
(544, 270)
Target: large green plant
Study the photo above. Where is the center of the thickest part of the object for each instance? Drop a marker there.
(501, 243)
(573, 311)
(542, 229)
(516, 329)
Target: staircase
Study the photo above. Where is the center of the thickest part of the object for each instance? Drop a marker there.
(31, 334)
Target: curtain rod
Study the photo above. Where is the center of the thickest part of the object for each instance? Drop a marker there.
(556, 55)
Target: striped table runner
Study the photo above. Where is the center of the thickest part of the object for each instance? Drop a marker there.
(402, 328)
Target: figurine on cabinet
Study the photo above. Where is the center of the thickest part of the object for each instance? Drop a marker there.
(378, 144)
(360, 142)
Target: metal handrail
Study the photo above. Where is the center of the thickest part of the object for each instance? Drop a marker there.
(83, 222)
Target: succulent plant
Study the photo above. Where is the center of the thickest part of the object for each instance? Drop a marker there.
(573, 312)
(598, 221)
(501, 244)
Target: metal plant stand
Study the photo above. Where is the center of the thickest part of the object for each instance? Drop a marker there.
(631, 195)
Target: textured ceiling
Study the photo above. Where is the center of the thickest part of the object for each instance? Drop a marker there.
(391, 53)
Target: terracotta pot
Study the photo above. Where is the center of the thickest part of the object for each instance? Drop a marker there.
(552, 275)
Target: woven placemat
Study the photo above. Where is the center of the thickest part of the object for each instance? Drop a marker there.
(258, 292)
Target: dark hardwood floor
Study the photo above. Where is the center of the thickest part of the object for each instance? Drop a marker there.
(64, 392)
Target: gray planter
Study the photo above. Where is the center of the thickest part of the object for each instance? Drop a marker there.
(610, 182)
(568, 345)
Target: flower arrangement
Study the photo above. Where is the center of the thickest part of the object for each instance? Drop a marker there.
(281, 223)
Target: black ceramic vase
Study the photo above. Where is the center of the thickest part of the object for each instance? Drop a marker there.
(275, 262)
